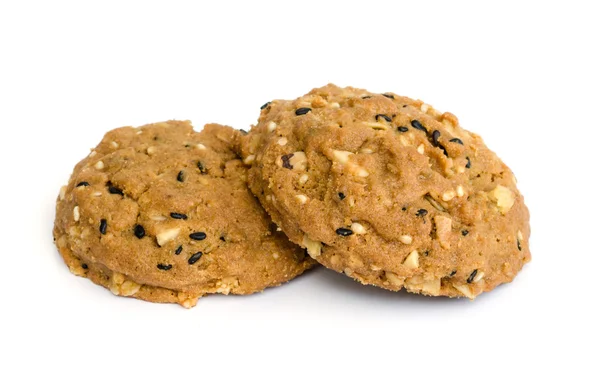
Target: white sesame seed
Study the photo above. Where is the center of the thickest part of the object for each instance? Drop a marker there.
(139, 132)
(158, 218)
(97, 193)
(460, 191)
(271, 126)
(62, 192)
(282, 141)
(519, 235)
(276, 256)
(366, 150)
(358, 229)
(76, 213)
(99, 165)
(92, 154)
(478, 277)
(249, 159)
(303, 179)
(114, 144)
(334, 105)
(406, 239)
(151, 150)
(362, 172)
(301, 198)
(200, 146)
(412, 261)
(421, 149)
(341, 156)
(448, 195)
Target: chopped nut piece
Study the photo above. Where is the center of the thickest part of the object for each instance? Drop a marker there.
(299, 161)
(227, 284)
(301, 198)
(249, 159)
(421, 149)
(503, 197)
(167, 235)
(412, 261)
(406, 239)
(62, 192)
(114, 144)
(99, 165)
(432, 287)
(465, 290)
(448, 195)
(361, 172)
(460, 191)
(358, 228)
(312, 247)
(519, 235)
(334, 105)
(443, 230)
(394, 279)
(341, 156)
(303, 179)
(271, 126)
(120, 286)
(151, 150)
(76, 213)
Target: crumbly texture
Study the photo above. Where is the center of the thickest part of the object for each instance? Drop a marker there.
(389, 191)
(163, 213)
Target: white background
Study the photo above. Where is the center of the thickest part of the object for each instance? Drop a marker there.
(522, 75)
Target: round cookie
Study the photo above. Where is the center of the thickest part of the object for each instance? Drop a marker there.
(162, 213)
(389, 191)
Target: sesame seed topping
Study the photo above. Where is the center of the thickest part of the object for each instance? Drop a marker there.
(198, 236)
(358, 228)
(344, 231)
(452, 273)
(303, 179)
(301, 198)
(421, 212)
(201, 167)
(103, 226)
(179, 249)
(341, 195)
(76, 213)
(82, 184)
(406, 239)
(366, 97)
(460, 191)
(286, 160)
(195, 257)
(282, 141)
(387, 118)
(84, 266)
(139, 231)
(249, 159)
(114, 190)
(402, 129)
(271, 126)
(200, 146)
(99, 165)
(435, 136)
(164, 267)
(468, 163)
(472, 276)
(303, 110)
(180, 176)
(421, 149)
(390, 96)
(456, 140)
(265, 105)
(519, 245)
(177, 215)
(417, 125)
(464, 232)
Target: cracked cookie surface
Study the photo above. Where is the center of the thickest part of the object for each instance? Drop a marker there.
(163, 213)
(389, 191)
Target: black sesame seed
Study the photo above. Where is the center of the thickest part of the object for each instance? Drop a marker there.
(390, 96)
(195, 257)
(403, 208)
(222, 238)
(421, 212)
(103, 226)
(179, 249)
(84, 184)
(180, 176)
(198, 236)
(286, 160)
(472, 276)
(344, 231)
(402, 129)
(365, 97)
(417, 125)
(464, 232)
(456, 140)
(201, 167)
(519, 244)
(115, 190)
(244, 132)
(265, 105)
(177, 215)
(84, 266)
(435, 137)
(164, 267)
(341, 195)
(387, 118)
(139, 231)
(303, 110)
(452, 273)
(468, 163)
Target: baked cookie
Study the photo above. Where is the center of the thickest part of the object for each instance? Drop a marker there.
(389, 191)
(163, 214)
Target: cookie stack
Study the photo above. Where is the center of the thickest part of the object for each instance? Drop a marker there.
(381, 187)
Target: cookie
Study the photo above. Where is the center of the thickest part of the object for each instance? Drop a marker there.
(162, 213)
(389, 191)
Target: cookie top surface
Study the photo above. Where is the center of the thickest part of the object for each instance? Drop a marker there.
(164, 206)
(388, 190)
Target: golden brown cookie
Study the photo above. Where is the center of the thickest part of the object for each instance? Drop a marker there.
(389, 191)
(163, 213)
